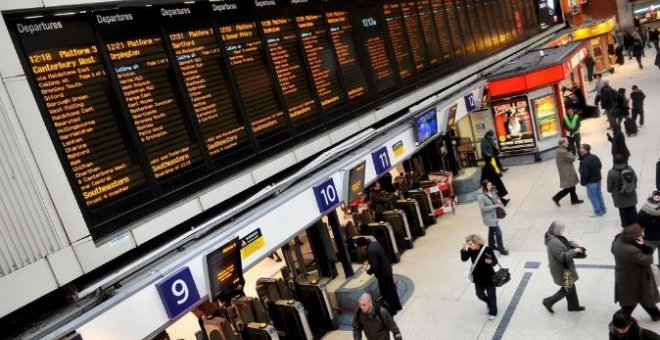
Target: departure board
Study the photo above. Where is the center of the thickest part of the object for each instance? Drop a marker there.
(503, 26)
(245, 51)
(398, 40)
(370, 30)
(66, 66)
(433, 50)
(341, 33)
(444, 34)
(282, 42)
(321, 60)
(507, 8)
(191, 36)
(454, 28)
(138, 56)
(415, 35)
(464, 25)
(492, 18)
(484, 22)
(475, 25)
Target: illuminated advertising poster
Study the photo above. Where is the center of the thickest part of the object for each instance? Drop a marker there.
(545, 111)
(513, 124)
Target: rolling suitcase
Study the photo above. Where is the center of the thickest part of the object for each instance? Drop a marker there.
(397, 219)
(383, 233)
(425, 205)
(414, 216)
(630, 126)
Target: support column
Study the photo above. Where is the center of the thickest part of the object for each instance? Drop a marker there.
(625, 14)
(344, 256)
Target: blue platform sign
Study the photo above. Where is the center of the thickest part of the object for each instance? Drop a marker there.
(178, 292)
(326, 195)
(381, 160)
(470, 104)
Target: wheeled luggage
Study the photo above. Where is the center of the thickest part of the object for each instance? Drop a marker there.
(630, 126)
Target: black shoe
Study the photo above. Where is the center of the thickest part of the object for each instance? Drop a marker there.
(505, 201)
(577, 309)
(548, 306)
(577, 202)
(504, 252)
(556, 202)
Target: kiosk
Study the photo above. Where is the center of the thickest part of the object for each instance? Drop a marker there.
(598, 35)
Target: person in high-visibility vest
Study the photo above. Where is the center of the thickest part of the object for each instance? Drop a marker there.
(572, 125)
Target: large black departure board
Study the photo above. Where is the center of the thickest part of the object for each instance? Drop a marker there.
(341, 33)
(192, 38)
(321, 59)
(398, 40)
(147, 105)
(482, 22)
(464, 25)
(245, 52)
(430, 33)
(415, 35)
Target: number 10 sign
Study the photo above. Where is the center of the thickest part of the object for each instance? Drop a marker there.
(326, 195)
(178, 292)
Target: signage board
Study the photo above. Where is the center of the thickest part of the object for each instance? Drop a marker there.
(513, 124)
(178, 293)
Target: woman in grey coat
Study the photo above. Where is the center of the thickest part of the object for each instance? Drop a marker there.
(488, 204)
(560, 256)
(633, 278)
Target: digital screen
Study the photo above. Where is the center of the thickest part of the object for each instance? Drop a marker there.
(426, 125)
(379, 66)
(443, 32)
(140, 62)
(547, 120)
(454, 28)
(513, 124)
(191, 36)
(321, 59)
(415, 36)
(72, 84)
(548, 13)
(356, 182)
(282, 42)
(225, 271)
(245, 52)
(430, 33)
(398, 42)
(341, 33)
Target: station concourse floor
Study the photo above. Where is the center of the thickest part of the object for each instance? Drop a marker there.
(443, 304)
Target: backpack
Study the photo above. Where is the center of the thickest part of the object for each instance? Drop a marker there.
(627, 184)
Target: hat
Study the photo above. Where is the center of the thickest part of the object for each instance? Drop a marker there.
(654, 198)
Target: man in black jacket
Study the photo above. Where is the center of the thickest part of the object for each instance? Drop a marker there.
(608, 102)
(380, 267)
(637, 97)
(590, 177)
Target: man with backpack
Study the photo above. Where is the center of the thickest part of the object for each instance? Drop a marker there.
(622, 184)
(374, 320)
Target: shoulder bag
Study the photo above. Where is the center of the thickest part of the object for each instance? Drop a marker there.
(501, 213)
(501, 276)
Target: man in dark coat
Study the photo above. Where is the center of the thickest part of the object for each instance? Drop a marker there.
(590, 177)
(380, 267)
(608, 101)
(374, 320)
(567, 176)
(638, 51)
(625, 202)
(618, 141)
(490, 151)
(625, 327)
(633, 278)
(649, 218)
(637, 97)
(590, 63)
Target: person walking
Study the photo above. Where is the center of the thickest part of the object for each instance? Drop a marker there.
(489, 150)
(638, 52)
(590, 177)
(572, 124)
(562, 268)
(625, 327)
(489, 201)
(628, 42)
(637, 96)
(649, 219)
(654, 37)
(622, 184)
(633, 278)
(374, 320)
(381, 268)
(589, 63)
(567, 176)
(482, 272)
(618, 141)
(608, 102)
(622, 108)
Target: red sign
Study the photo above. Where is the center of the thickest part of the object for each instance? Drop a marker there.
(519, 23)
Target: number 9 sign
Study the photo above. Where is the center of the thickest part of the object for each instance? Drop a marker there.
(178, 292)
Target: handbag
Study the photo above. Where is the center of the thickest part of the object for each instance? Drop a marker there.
(500, 212)
(569, 280)
(501, 276)
(475, 262)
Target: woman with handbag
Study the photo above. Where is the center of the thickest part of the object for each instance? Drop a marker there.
(492, 209)
(482, 272)
(561, 253)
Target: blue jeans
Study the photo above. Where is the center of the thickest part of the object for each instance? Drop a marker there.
(495, 238)
(596, 198)
(488, 297)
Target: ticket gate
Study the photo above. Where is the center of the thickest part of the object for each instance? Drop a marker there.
(414, 216)
(383, 233)
(219, 328)
(288, 315)
(425, 205)
(261, 331)
(399, 222)
(314, 296)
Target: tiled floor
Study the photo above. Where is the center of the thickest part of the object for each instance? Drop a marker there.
(444, 305)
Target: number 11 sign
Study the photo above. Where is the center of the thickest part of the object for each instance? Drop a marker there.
(178, 292)
(381, 160)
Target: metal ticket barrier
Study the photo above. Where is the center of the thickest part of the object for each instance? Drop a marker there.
(399, 222)
(425, 204)
(288, 315)
(414, 216)
(384, 234)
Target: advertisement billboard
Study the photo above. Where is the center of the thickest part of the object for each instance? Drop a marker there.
(513, 124)
(545, 112)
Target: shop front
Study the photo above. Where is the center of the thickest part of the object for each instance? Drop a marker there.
(600, 42)
(526, 101)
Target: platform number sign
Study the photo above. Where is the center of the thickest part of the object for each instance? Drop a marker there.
(178, 292)
(326, 195)
(381, 160)
(470, 104)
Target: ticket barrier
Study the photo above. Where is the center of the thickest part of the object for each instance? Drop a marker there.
(414, 216)
(314, 296)
(219, 328)
(399, 222)
(383, 233)
(254, 321)
(288, 315)
(423, 199)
